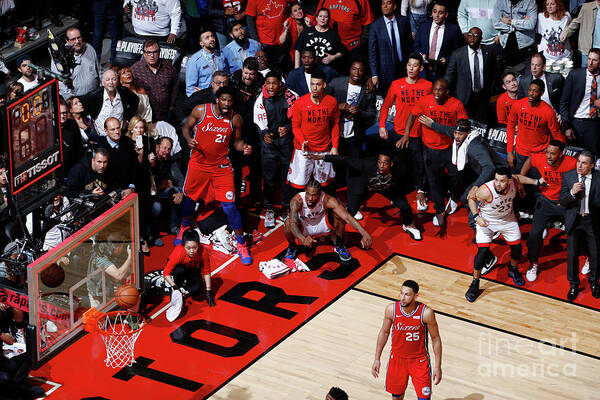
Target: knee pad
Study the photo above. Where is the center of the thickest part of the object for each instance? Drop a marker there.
(233, 215)
(481, 257)
(515, 251)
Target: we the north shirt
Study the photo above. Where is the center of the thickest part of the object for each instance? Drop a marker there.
(316, 123)
(552, 174)
(535, 127)
(404, 96)
(446, 114)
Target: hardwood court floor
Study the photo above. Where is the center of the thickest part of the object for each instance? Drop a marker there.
(479, 363)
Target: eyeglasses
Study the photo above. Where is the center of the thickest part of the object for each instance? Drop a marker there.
(476, 35)
(150, 52)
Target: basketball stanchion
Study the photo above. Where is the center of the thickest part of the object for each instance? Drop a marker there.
(119, 329)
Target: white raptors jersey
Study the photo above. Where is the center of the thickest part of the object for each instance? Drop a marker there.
(501, 206)
(312, 216)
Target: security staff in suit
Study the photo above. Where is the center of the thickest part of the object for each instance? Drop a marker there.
(436, 40)
(580, 195)
(390, 43)
(357, 108)
(580, 103)
(471, 74)
(554, 82)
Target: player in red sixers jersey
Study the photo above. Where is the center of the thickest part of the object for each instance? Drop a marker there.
(550, 165)
(404, 93)
(409, 322)
(209, 170)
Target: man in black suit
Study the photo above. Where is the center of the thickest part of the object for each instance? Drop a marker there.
(299, 78)
(554, 82)
(580, 195)
(436, 40)
(390, 43)
(578, 108)
(123, 165)
(110, 100)
(471, 74)
(357, 108)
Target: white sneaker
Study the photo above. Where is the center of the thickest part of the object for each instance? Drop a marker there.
(496, 236)
(544, 236)
(451, 207)
(586, 267)
(51, 327)
(438, 220)
(176, 306)
(489, 265)
(414, 233)
(532, 273)
(422, 204)
(358, 216)
(222, 238)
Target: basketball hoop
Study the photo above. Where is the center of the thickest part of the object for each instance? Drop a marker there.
(119, 329)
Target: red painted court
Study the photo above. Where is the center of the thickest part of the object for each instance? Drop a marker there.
(193, 357)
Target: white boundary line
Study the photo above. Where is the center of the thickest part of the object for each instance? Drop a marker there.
(278, 225)
(42, 381)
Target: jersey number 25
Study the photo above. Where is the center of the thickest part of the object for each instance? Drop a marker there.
(412, 336)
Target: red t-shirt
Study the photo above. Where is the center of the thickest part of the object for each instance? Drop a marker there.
(269, 15)
(404, 96)
(446, 114)
(316, 123)
(536, 126)
(350, 16)
(294, 32)
(179, 256)
(213, 134)
(552, 174)
(503, 105)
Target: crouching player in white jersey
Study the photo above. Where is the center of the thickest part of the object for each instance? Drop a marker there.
(492, 208)
(311, 214)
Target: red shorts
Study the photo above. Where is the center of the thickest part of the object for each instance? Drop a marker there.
(398, 371)
(208, 183)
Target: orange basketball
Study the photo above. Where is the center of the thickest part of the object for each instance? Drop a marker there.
(53, 275)
(127, 296)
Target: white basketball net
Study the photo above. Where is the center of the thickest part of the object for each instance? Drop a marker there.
(119, 331)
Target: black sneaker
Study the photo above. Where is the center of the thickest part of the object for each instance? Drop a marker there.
(473, 291)
(513, 272)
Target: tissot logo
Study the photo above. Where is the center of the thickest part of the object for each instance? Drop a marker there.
(37, 169)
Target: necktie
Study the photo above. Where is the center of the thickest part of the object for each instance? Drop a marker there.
(434, 43)
(394, 44)
(476, 73)
(593, 97)
(582, 199)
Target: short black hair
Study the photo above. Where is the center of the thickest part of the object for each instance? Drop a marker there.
(504, 171)
(540, 83)
(587, 153)
(250, 63)
(273, 74)
(386, 152)
(338, 394)
(225, 90)
(415, 56)
(313, 183)
(317, 74)
(150, 43)
(411, 284)
(233, 24)
(309, 49)
(557, 143)
(507, 73)
(595, 51)
(162, 139)
(190, 235)
(99, 150)
(440, 3)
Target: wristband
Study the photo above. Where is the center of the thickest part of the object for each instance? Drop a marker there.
(475, 216)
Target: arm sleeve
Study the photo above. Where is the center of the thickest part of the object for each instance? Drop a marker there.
(335, 130)
(481, 153)
(510, 129)
(451, 72)
(497, 18)
(373, 52)
(178, 178)
(565, 199)
(191, 77)
(554, 127)
(462, 17)
(565, 101)
(297, 124)
(385, 107)
(461, 113)
(252, 26)
(527, 24)
(404, 8)
(175, 14)
(172, 261)
(443, 129)
(574, 24)
(500, 112)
